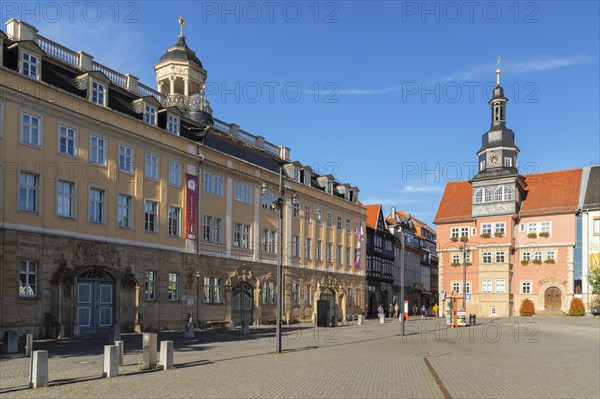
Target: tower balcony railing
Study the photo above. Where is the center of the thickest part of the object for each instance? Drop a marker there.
(190, 103)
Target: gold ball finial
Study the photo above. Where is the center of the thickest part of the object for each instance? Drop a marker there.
(181, 23)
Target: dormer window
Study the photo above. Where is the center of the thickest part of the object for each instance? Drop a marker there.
(296, 174)
(150, 115)
(307, 177)
(329, 187)
(483, 195)
(481, 165)
(173, 124)
(30, 65)
(98, 95)
(508, 162)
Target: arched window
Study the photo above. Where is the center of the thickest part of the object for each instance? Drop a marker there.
(499, 193)
(487, 195)
(503, 193)
(508, 193)
(479, 196)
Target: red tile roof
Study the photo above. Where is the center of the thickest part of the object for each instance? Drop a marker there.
(547, 192)
(372, 215)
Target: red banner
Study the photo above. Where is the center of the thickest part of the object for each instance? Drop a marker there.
(191, 203)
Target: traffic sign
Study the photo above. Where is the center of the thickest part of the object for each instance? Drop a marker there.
(443, 292)
(468, 296)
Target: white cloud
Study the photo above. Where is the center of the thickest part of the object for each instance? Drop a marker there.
(422, 188)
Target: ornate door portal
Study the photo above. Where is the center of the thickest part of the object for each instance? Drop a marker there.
(95, 302)
(242, 294)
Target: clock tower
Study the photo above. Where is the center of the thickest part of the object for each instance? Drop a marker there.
(497, 188)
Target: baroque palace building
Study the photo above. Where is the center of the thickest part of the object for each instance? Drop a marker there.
(515, 235)
(124, 205)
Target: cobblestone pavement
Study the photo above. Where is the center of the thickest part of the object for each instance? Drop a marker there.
(539, 357)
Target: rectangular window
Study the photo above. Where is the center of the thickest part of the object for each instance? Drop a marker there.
(98, 93)
(175, 173)
(348, 256)
(522, 228)
(218, 290)
(348, 225)
(296, 246)
(308, 213)
(500, 286)
(537, 255)
(546, 227)
(455, 258)
(173, 124)
(532, 227)
(319, 250)
(329, 253)
(213, 184)
(125, 159)
(296, 209)
(464, 231)
(526, 256)
(339, 255)
(174, 218)
(349, 297)
(65, 205)
(30, 65)
(212, 229)
(500, 228)
(525, 287)
(173, 287)
(550, 255)
(150, 216)
(486, 228)
(468, 288)
(151, 169)
(481, 165)
(493, 311)
(207, 290)
(454, 232)
(243, 193)
(340, 223)
(329, 220)
(67, 141)
(150, 286)
(96, 211)
(487, 257)
(150, 115)
(97, 150)
(241, 235)
(456, 287)
(597, 227)
(30, 130)
(319, 216)
(308, 295)
(508, 162)
(307, 245)
(296, 293)
(500, 255)
(486, 286)
(27, 279)
(124, 210)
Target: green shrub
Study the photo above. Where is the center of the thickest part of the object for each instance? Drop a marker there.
(527, 308)
(577, 307)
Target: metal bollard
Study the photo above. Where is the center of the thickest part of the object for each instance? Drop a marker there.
(28, 344)
(121, 346)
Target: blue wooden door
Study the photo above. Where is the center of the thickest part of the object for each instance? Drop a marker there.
(95, 306)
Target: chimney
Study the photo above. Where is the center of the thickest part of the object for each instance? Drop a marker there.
(394, 212)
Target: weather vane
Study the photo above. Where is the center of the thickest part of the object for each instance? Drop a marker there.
(181, 23)
(498, 71)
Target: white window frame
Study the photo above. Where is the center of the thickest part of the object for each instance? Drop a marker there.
(486, 228)
(526, 284)
(546, 227)
(99, 205)
(532, 228)
(319, 216)
(97, 153)
(126, 157)
(208, 292)
(36, 64)
(151, 216)
(308, 213)
(551, 254)
(124, 211)
(213, 184)
(500, 227)
(28, 270)
(330, 220)
(212, 229)
(307, 248)
(173, 287)
(296, 209)
(151, 166)
(500, 256)
(507, 162)
(319, 249)
(174, 224)
(174, 173)
(98, 93)
(173, 124)
(486, 257)
(31, 127)
(500, 286)
(243, 193)
(150, 285)
(28, 190)
(217, 290)
(63, 197)
(150, 114)
(486, 286)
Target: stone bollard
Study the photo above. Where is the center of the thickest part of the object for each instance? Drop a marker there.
(39, 369)
(149, 351)
(11, 344)
(381, 318)
(360, 320)
(111, 361)
(166, 355)
(121, 346)
(28, 344)
(189, 331)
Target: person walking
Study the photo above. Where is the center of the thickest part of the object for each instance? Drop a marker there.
(423, 311)
(396, 308)
(436, 309)
(415, 310)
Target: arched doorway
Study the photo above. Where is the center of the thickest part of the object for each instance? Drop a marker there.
(384, 301)
(242, 303)
(552, 298)
(326, 309)
(373, 304)
(95, 302)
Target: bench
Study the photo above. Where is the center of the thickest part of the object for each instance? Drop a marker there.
(216, 323)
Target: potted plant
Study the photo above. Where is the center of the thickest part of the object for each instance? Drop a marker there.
(485, 235)
(531, 235)
(499, 234)
(537, 261)
(524, 262)
(454, 239)
(527, 308)
(549, 261)
(544, 234)
(455, 264)
(577, 307)
(464, 238)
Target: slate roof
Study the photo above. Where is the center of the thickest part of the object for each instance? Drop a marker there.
(545, 193)
(592, 193)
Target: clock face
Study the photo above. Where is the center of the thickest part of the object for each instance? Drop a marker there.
(494, 159)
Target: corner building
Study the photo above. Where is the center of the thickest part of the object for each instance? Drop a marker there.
(514, 234)
(125, 205)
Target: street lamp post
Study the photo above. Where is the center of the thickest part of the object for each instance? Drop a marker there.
(465, 251)
(198, 298)
(402, 279)
(279, 204)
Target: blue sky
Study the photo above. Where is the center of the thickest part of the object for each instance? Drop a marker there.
(389, 96)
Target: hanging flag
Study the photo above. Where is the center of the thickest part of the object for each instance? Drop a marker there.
(359, 241)
(191, 209)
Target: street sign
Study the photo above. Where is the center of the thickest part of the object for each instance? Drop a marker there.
(443, 292)
(468, 297)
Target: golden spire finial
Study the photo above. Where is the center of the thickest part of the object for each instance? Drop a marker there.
(498, 71)
(181, 23)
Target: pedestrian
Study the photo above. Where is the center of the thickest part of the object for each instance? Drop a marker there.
(396, 308)
(380, 310)
(390, 308)
(415, 309)
(423, 311)
(436, 309)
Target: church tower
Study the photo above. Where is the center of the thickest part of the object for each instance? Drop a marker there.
(181, 78)
(497, 188)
